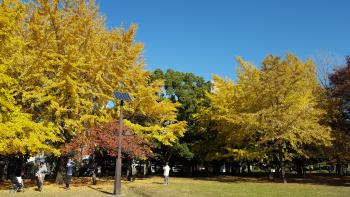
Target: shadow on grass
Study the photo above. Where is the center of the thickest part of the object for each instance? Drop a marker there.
(139, 191)
(36, 189)
(307, 179)
(76, 182)
(100, 190)
(159, 183)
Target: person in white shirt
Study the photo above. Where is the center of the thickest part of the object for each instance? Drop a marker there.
(40, 174)
(20, 181)
(166, 169)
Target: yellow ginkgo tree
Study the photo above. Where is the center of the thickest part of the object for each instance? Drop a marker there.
(271, 113)
(69, 64)
(20, 134)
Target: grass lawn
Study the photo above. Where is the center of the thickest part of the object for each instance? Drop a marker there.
(216, 186)
(235, 186)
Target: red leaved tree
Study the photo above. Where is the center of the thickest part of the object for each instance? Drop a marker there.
(105, 137)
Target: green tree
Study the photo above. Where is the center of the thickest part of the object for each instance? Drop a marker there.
(189, 90)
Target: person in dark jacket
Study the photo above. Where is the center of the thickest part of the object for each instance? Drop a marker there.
(69, 172)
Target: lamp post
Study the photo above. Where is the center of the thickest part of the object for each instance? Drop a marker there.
(118, 165)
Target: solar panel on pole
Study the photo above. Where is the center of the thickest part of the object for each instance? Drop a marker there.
(117, 184)
(122, 96)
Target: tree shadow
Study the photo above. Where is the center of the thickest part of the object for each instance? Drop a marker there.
(100, 190)
(307, 179)
(139, 191)
(159, 183)
(322, 180)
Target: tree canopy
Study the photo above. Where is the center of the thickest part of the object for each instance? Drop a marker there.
(60, 64)
(339, 97)
(270, 113)
(189, 90)
(20, 134)
(104, 138)
(64, 65)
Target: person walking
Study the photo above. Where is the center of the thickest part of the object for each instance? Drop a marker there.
(166, 169)
(133, 172)
(40, 175)
(69, 172)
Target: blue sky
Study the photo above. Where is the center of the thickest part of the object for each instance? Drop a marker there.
(205, 36)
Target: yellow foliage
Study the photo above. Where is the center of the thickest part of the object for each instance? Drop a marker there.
(19, 134)
(63, 65)
(275, 109)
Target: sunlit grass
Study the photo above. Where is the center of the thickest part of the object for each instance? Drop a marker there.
(80, 187)
(233, 186)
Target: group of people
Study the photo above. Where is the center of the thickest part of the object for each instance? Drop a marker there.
(40, 173)
(42, 170)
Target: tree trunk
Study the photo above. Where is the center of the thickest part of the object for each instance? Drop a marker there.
(169, 157)
(243, 166)
(300, 168)
(11, 168)
(310, 169)
(235, 168)
(3, 168)
(94, 179)
(270, 175)
(16, 165)
(339, 167)
(60, 170)
(145, 168)
(129, 169)
(283, 171)
(206, 166)
(23, 164)
(149, 170)
(248, 166)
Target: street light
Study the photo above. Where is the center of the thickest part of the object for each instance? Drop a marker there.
(118, 166)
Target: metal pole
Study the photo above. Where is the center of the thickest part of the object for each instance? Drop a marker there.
(118, 165)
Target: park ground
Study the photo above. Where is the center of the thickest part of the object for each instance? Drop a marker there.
(194, 187)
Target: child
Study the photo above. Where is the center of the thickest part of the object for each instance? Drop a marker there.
(17, 184)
